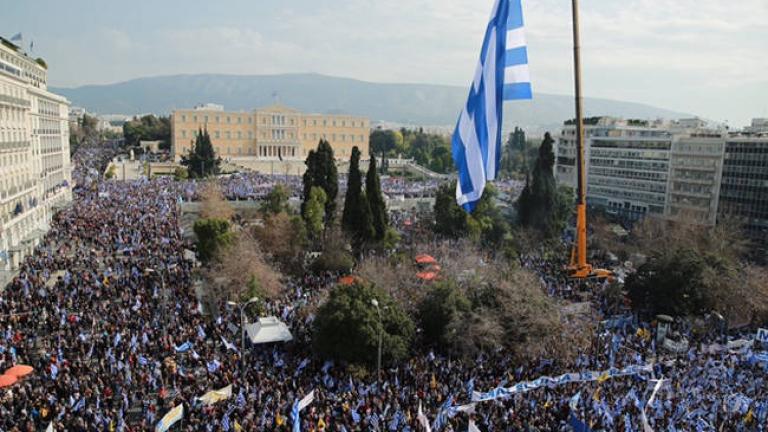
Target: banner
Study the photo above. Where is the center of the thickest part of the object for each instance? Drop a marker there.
(170, 418)
(214, 396)
(501, 392)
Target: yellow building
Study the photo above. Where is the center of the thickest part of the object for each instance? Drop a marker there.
(267, 134)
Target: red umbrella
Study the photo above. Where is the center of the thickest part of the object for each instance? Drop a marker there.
(20, 371)
(425, 259)
(7, 380)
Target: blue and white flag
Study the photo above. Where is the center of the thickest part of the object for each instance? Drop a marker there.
(299, 405)
(186, 346)
(16, 38)
(502, 74)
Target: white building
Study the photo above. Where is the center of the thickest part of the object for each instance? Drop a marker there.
(35, 172)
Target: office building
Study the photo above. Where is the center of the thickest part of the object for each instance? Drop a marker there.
(35, 172)
(696, 170)
(270, 134)
(744, 190)
(627, 165)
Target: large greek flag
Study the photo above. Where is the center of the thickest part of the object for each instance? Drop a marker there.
(502, 74)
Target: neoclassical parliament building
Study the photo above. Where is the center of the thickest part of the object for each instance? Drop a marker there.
(272, 133)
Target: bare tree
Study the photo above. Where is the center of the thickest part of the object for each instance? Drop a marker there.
(213, 204)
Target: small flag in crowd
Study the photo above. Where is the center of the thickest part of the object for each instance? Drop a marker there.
(502, 74)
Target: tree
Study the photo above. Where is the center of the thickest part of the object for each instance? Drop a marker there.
(321, 172)
(284, 237)
(378, 207)
(314, 212)
(212, 236)
(538, 203)
(444, 305)
(347, 326)
(213, 204)
(485, 224)
(148, 128)
(356, 217)
(276, 200)
(384, 142)
(680, 281)
(450, 219)
(201, 161)
(241, 271)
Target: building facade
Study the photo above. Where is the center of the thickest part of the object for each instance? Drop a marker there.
(627, 166)
(35, 172)
(744, 190)
(695, 175)
(271, 133)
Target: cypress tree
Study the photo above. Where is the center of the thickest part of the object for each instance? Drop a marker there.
(537, 205)
(356, 218)
(321, 172)
(376, 201)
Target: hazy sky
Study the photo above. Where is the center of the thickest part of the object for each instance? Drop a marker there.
(707, 57)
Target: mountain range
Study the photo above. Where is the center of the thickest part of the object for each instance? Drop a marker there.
(401, 104)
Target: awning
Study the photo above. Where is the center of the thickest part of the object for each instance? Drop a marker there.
(268, 330)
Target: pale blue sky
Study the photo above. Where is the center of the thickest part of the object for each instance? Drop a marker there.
(706, 57)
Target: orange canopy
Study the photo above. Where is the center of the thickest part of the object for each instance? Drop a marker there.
(349, 280)
(425, 259)
(427, 276)
(7, 380)
(20, 371)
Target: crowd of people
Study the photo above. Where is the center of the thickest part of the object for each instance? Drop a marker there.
(106, 314)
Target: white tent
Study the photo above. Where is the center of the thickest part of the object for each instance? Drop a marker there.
(267, 330)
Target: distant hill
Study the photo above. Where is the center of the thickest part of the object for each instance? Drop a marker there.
(409, 104)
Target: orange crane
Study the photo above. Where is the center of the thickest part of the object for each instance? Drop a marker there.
(579, 268)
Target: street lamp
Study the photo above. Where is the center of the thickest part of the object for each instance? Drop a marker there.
(164, 305)
(242, 330)
(375, 303)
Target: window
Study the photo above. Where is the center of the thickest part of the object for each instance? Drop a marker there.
(229, 120)
(206, 119)
(216, 134)
(325, 122)
(183, 134)
(183, 118)
(343, 123)
(334, 123)
(218, 119)
(239, 135)
(250, 135)
(228, 135)
(314, 122)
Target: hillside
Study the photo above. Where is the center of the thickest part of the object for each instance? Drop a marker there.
(414, 104)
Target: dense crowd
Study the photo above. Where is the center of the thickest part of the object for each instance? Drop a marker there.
(106, 314)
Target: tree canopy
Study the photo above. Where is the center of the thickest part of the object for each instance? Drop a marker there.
(321, 172)
(379, 217)
(347, 326)
(356, 217)
(541, 205)
(148, 128)
(201, 161)
(212, 236)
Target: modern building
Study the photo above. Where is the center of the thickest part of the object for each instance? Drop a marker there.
(627, 165)
(270, 134)
(744, 190)
(35, 172)
(695, 175)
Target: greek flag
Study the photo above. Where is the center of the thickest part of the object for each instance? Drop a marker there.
(502, 74)
(186, 346)
(299, 405)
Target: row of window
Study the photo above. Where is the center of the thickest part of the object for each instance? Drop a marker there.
(276, 120)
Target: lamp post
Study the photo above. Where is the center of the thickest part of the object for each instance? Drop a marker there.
(375, 303)
(163, 293)
(242, 331)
